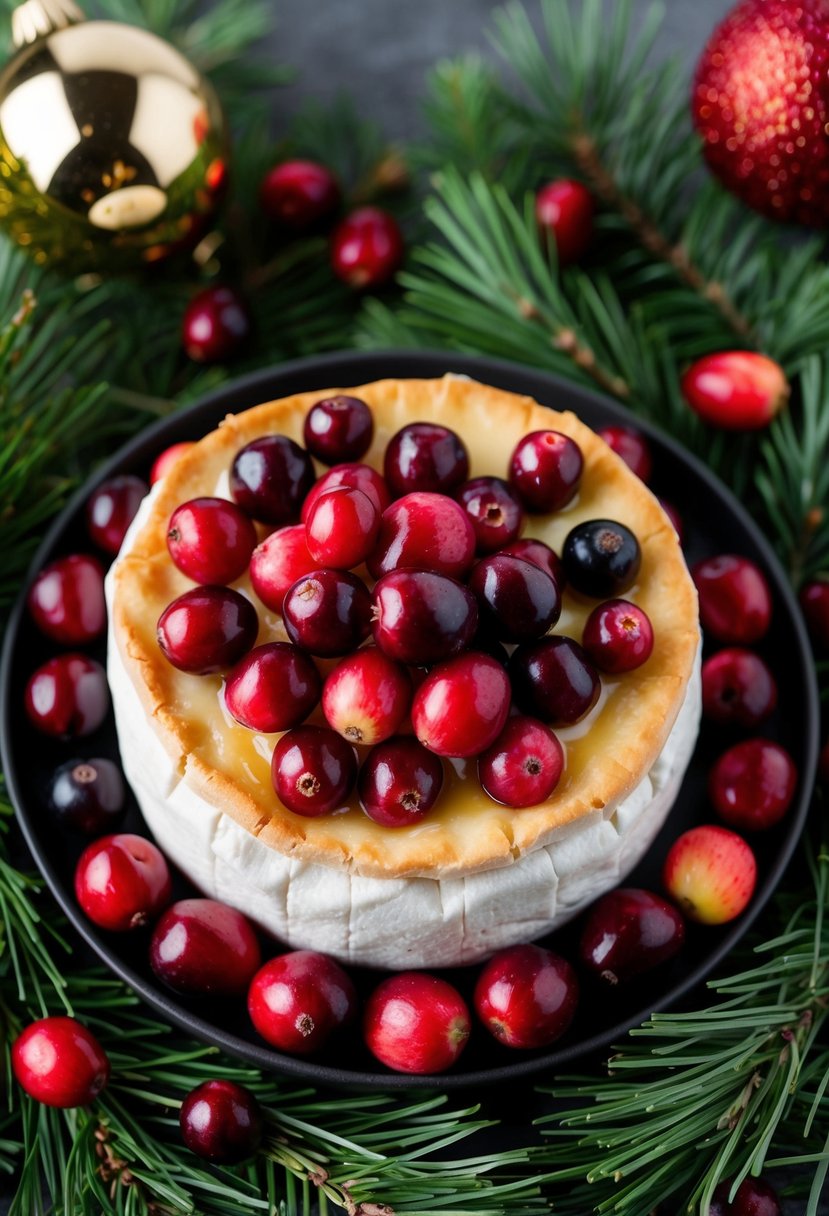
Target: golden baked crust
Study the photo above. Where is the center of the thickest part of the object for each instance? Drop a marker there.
(608, 754)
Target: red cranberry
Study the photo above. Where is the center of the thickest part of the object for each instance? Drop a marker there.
(628, 932)
(88, 795)
(66, 600)
(122, 882)
(494, 510)
(338, 429)
(752, 784)
(207, 629)
(564, 208)
(419, 617)
(203, 946)
(359, 476)
(526, 996)
(278, 562)
(674, 518)
(299, 194)
(342, 527)
(461, 706)
(273, 688)
(298, 1000)
(400, 782)
(734, 599)
(618, 636)
(416, 1023)
(553, 679)
(367, 248)
(210, 540)
(426, 531)
(221, 1122)
(313, 770)
(328, 612)
(270, 477)
(631, 446)
(524, 764)
(541, 555)
(366, 697)
(516, 600)
(602, 558)
(736, 390)
(814, 603)
(545, 470)
(754, 1197)
(216, 325)
(59, 1062)
(164, 462)
(738, 688)
(425, 456)
(111, 509)
(67, 697)
(711, 873)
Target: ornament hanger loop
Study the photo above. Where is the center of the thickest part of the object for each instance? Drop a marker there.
(38, 18)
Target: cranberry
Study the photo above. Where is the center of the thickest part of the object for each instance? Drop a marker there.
(122, 882)
(752, 784)
(601, 557)
(59, 1062)
(419, 617)
(526, 996)
(273, 688)
(221, 1122)
(753, 1197)
(738, 688)
(416, 1023)
(710, 872)
(427, 531)
(628, 932)
(737, 390)
(524, 764)
(366, 697)
(400, 782)
(270, 477)
(814, 603)
(461, 706)
(88, 795)
(207, 629)
(278, 562)
(367, 248)
(424, 456)
(553, 679)
(494, 511)
(210, 540)
(203, 946)
(541, 555)
(164, 462)
(216, 325)
(67, 697)
(313, 770)
(734, 599)
(111, 509)
(360, 476)
(299, 194)
(618, 636)
(328, 612)
(545, 470)
(564, 208)
(516, 600)
(342, 527)
(338, 429)
(631, 446)
(66, 600)
(674, 518)
(297, 1001)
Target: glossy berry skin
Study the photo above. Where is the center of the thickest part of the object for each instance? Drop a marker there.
(273, 688)
(524, 764)
(122, 882)
(541, 555)
(313, 770)
(736, 390)
(67, 697)
(738, 689)
(752, 784)
(631, 446)
(494, 510)
(627, 933)
(210, 540)
(416, 1023)
(814, 604)
(366, 697)
(516, 600)
(734, 599)
(338, 429)
(618, 636)
(201, 946)
(66, 600)
(461, 706)
(164, 462)
(207, 629)
(88, 795)
(753, 1197)
(421, 618)
(221, 1122)
(601, 557)
(426, 531)
(298, 1000)
(545, 469)
(526, 996)
(328, 612)
(58, 1062)
(400, 781)
(111, 509)
(564, 208)
(553, 679)
(425, 456)
(299, 194)
(270, 477)
(216, 325)
(352, 473)
(710, 872)
(341, 528)
(367, 248)
(278, 562)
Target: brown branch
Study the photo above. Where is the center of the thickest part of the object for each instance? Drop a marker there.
(567, 341)
(115, 1171)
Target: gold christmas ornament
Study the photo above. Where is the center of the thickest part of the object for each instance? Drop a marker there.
(113, 148)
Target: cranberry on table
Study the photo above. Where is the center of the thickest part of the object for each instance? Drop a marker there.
(88, 795)
(111, 509)
(270, 477)
(424, 530)
(462, 705)
(342, 527)
(66, 600)
(419, 617)
(67, 697)
(164, 462)
(207, 629)
(216, 325)
(736, 390)
(553, 679)
(416, 1023)
(338, 429)
(298, 1000)
(526, 996)
(618, 636)
(221, 1122)
(541, 555)
(425, 456)
(203, 946)
(58, 1062)
(360, 476)
(628, 932)
(210, 540)
(327, 612)
(122, 882)
(367, 248)
(277, 563)
(753, 1197)
(711, 873)
(752, 784)
(493, 509)
(299, 194)
(400, 781)
(734, 599)
(366, 697)
(564, 208)
(601, 557)
(631, 446)
(517, 601)
(313, 770)
(814, 604)
(545, 469)
(273, 688)
(738, 689)
(524, 764)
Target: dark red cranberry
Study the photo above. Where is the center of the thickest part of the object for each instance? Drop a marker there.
(67, 697)
(66, 600)
(111, 509)
(122, 882)
(270, 477)
(628, 932)
(278, 562)
(461, 706)
(541, 555)
(273, 688)
(216, 325)
(527, 996)
(203, 946)
(421, 618)
(88, 795)
(602, 558)
(164, 462)
(427, 457)
(517, 601)
(631, 446)
(564, 208)
(338, 429)
(400, 782)
(313, 770)
(545, 470)
(814, 603)
(58, 1062)
(754, 1197)
(494, 510)
(738, 688)
(734, 599)
(416, 1023)
(207, 629)
(360, 476)
(299, 194)
(425, 531)
(221, 1122)
(367, 248)
(618, 636)
(210, 540)
(298, 1000)
(554, 680)
(752, 784)
(366, 697)
(674, 518)
(342, 527)
(328, 612)
(524, 764)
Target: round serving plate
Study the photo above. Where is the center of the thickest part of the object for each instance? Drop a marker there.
(715, 523)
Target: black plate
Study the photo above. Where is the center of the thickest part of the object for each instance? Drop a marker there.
(715, 522)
